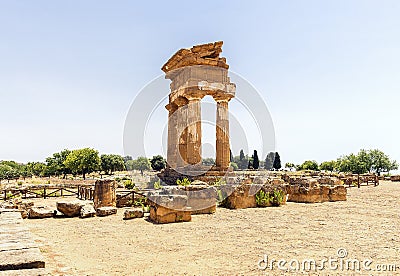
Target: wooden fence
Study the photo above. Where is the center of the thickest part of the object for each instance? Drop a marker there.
(360, 179)
(85, 192)
(42, 191)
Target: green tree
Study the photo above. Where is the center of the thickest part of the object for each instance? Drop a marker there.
(36, 168)
(328, 166)
(241, 155)
(256, 161)
(141, 164)
(366, 161)
(111, 163)
(158, 163)
(277, 161)
(11, 170)
(351, 163)
(380, 162)
(250, 164)
(24, 171)
(234, 166)
(8, 172)
(208, 161)
(308, 165)
(3, 172)
(269, 161)
(83, 161)
(241, 161)
(289, 166)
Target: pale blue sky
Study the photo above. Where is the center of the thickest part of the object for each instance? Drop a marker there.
(329, 71)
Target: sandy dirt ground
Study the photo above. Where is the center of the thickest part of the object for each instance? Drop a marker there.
(230, 242)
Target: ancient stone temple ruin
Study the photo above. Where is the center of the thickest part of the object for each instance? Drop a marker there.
(195, 73)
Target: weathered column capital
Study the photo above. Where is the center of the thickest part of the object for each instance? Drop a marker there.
(181, 101)
(222, 98)
(171, 107)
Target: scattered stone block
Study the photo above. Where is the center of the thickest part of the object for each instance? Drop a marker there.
(338, 193)
(40, 212)
(21, 259)
(133, 213)
(70, 208)
(106, 211)
(169, 209)
(123, 200)
(201, 199)
(317, 194)
(17, 246)
(87, 211)
(27, 272)
(242, 196)
(395, 178)
(104, 193)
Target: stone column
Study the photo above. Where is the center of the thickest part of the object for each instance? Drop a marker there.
(172, 147)
(194, 131)
(222, 136)
(181, 117)
(104, 193)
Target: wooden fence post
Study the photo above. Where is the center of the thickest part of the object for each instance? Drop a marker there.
(44, 192)
(358, 181)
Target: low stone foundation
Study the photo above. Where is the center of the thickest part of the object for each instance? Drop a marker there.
(395, 178)
(316, 194)
(244, 196)
(206, 174)
(202, 199)
(169, 209)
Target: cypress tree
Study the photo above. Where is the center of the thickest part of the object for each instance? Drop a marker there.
(256, 161)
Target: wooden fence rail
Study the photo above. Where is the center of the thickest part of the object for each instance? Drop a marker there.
(360, 179)
(39, 192)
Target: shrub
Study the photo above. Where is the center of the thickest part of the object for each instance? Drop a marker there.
(219, 182)
(277, 197)
(157, 185)
(139, 202)
(128, 184)
(222, 195)
(274, 198)
(263, 199)
(183, 182)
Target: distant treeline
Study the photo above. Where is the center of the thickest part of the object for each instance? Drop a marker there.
(88, 160)
(80, 161)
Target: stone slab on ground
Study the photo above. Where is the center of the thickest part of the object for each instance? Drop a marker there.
(161, 215)
(318, 194)
(395, 178)
(26, 272)
(70, 208)
(132, 213)
(21, 259)
(87, 211)
(169, 209)
(40, 212)
(17, 247)
(106, 211)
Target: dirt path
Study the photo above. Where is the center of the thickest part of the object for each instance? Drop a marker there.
(229, 242)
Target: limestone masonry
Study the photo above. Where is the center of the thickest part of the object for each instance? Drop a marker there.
(195, 73)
